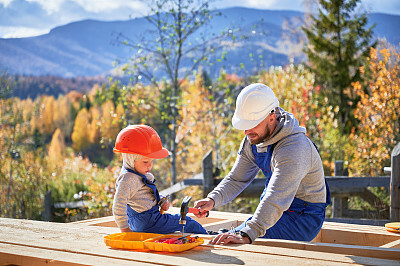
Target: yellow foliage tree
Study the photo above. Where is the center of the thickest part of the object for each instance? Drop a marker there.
(110, 123)
(80, 136)
(56, 152)
(204, 126)
(62, 115)
(94, 126)
(294, 88)
(379, 114)
(47, 112)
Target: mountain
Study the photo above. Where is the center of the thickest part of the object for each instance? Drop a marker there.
(89, 47)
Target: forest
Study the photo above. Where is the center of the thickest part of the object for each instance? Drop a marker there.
(350, 108)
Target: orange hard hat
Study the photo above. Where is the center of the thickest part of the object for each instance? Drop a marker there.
(142, 140)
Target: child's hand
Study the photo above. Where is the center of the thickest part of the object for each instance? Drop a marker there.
(125, 230)
(166, 206)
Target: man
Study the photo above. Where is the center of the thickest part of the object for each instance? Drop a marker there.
(292, 205)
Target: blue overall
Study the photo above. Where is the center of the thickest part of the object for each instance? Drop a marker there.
(152, 221)
(303, 220)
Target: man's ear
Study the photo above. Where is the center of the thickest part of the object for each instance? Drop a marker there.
(272, 118)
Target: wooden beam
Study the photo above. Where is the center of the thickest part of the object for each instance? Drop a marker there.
(395, 185)
(180, 186)
(394, 244)
(208, 178)
(337, 185)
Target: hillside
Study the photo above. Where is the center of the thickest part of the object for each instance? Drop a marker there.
(88, 48)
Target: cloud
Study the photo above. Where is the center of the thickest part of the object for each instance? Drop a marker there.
(276, 4)
(51, 6)
(106, 5)
(262, 4)
(5, 3)
(39, 16)
(21, 32)
(91, 6)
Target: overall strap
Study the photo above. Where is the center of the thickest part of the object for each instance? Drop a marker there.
(147, 183)
(263, 161)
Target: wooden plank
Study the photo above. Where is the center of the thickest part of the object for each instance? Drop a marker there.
(355, 237)
(87, 242)
(332, 232)
(24, 255)
(358, 221)
(394, 244)
(395, 185)
(208, 177)
(320, 251)
(337, 208)
(180, 186)
(337, 184)
(71, 205)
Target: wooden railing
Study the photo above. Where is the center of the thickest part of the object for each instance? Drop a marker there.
(341, 186)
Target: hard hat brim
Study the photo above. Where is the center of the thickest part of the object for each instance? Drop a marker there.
(158, 154)
(243, 124)
(155, 155)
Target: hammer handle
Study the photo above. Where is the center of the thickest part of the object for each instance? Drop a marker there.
(197, 211)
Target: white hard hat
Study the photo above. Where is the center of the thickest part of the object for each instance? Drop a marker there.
(253, 104)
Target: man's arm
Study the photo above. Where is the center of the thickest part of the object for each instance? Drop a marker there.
(243, 172)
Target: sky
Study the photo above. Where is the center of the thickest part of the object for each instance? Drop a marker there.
(25, 18)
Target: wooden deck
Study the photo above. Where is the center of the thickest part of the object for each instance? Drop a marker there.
(27, 242)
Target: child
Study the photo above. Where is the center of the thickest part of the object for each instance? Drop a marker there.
(135, 206)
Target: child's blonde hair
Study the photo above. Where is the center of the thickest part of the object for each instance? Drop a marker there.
(129, 160)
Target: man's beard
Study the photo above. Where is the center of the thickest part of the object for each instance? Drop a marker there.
(262, 137)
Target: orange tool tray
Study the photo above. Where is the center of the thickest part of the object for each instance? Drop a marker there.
(145, 241)
(152, 245)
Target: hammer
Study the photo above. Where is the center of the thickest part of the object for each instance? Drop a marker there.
(185, 210)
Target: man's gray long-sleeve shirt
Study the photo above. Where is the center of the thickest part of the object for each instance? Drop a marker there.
(296, 172)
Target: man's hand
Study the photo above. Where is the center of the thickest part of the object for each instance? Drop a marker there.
(225, 238)
(203, 205)
(125, 230)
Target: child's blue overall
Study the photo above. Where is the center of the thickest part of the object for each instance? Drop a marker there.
(303, 220)
(152, 221)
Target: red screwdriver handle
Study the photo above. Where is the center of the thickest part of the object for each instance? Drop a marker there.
(197, 211)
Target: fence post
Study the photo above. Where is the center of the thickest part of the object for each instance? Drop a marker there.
(339, 204)
(47, 206)
(395, 185)
(208, 178)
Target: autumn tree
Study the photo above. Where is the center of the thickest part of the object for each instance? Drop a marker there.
(80, 136)
(338, 44)
(48, 109)
(174, 46)
(62, 115)
(110, 123)
(56, 151)
(294, 86)
(378, 112)
(94, 126)
(20, 175)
